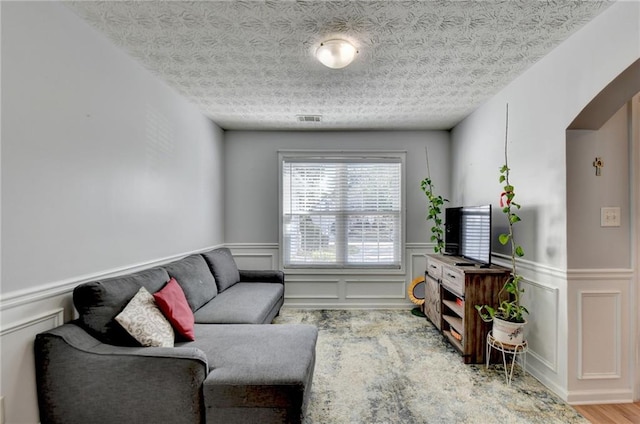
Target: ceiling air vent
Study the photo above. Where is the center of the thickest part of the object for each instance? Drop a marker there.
(309, 118)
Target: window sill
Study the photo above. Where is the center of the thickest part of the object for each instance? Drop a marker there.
(345, 271)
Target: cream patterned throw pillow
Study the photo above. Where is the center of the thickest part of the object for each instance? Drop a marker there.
(144, 321)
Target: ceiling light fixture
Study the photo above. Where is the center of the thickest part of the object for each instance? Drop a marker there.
(336, 54)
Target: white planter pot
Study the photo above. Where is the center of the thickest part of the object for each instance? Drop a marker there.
(506, 332)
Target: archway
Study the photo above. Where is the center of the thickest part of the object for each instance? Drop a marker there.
(619, 101)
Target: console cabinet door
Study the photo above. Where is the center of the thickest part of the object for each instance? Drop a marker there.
(432, 301)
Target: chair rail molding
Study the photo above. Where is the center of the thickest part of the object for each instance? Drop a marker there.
(56, 288)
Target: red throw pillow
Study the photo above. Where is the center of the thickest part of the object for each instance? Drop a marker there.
(173, 304)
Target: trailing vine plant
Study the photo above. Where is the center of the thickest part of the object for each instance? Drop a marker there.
(509, 308)
(435, 204)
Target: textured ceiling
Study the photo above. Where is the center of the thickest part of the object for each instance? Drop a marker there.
(421, 64)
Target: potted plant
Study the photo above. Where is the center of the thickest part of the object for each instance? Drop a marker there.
(434, 210)
(509, 316)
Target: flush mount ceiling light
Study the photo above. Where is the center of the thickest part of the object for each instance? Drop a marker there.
(336, 54)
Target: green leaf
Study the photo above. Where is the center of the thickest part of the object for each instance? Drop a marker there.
(519, 251)
(504, 238)
(514, 218)
(491, 312)
(502, 178)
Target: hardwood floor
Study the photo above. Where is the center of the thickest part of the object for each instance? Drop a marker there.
(623, 413)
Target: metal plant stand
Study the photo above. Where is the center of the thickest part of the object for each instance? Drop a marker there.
(508, 349)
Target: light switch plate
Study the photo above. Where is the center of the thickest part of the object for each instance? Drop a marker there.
(610, 217)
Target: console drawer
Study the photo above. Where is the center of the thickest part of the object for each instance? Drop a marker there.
(434, 269)
(453, 279)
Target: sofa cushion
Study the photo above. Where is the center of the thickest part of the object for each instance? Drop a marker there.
(243, 303)
(195, 278)
(173, 304)
(99, 302)
(223, 267)
(145, 322)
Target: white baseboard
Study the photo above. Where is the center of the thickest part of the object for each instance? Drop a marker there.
(592, 397)
(317, 306)
(543, 376)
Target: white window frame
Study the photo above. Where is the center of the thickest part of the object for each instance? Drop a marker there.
(400, 156)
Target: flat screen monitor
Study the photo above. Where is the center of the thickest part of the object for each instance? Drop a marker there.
(468, 233)
(476, 234)
(452, 231)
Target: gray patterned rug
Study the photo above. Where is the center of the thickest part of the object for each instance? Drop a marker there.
(389, 366)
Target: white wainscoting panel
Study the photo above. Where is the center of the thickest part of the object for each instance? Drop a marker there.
(325, 289)
(322, 289)
(418, 263)
(375, 289)
(602, 348)
(599, 324)
(256, 257)
(18, 371)
(542, 326)
(545, 298)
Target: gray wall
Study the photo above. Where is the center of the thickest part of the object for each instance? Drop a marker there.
(542, 103)
(251, 175)
(588, 244)
(104, 168)
(103, 165)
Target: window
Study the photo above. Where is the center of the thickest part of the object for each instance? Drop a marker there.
(342, 211)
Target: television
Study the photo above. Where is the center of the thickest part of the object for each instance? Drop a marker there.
(468, 234)
(452, 231)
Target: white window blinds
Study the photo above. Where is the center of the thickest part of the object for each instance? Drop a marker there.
(342, 212)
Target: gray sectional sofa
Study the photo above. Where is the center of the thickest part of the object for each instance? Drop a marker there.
(239, 368)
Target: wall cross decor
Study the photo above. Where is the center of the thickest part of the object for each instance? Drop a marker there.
(598, 163)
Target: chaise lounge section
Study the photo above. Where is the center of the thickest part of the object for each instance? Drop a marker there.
(238, 369)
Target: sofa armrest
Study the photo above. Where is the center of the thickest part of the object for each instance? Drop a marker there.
(261, 276)
(81, 380)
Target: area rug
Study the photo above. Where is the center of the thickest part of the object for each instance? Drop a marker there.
(389, 366)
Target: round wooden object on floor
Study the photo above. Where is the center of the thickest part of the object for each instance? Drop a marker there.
(416, 290)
